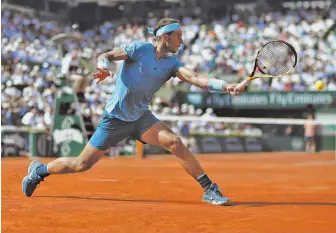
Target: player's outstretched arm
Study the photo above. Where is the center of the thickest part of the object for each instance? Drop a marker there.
(103, 63)
(205, 82)
(116, 54)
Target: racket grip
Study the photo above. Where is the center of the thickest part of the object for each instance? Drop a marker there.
(242, 85)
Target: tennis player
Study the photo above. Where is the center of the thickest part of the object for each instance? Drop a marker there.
(146, 67)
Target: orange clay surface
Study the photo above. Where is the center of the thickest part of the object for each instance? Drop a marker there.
(283, 192)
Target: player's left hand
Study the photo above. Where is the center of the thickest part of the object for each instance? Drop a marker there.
(101, 74)
(231, 89)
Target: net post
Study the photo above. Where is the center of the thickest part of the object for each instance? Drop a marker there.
(139, 150)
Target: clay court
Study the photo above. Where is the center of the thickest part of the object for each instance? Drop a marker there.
(284, 192)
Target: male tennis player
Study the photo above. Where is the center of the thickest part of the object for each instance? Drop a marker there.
(146, 67)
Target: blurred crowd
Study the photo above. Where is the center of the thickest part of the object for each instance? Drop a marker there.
(224, 49)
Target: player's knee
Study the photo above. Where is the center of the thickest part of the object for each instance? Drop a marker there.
(176, 144)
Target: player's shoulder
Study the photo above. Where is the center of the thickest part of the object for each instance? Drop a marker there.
(143, 44)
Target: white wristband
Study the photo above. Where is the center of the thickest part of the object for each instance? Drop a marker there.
(216, 85)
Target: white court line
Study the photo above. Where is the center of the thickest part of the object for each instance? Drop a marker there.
(317, 163)
(164, 182)
(103, 180)
(131, 181)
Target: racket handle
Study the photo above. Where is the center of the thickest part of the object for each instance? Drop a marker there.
(240, 87)
(243, 84)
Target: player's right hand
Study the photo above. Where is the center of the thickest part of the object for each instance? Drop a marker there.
(102, 74)
(232, 90)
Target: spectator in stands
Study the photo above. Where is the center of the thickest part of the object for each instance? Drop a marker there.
(35, 119)
(7, 115)
(208, 113)
(332, 84)
(252, 131)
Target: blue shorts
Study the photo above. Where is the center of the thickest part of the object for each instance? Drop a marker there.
(309, 139)
(111, 130)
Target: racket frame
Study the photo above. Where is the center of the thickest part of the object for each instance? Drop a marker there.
(241, 86)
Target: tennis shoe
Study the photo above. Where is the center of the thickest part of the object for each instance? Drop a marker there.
(32, 180)
(212, 195)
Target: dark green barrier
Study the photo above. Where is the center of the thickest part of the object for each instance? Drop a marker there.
(41, 144)
(239, 144)
(328, 143)
(14, 141)
(221, 144)
(68, 128)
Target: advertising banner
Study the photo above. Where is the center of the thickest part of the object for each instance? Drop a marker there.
(259, 100)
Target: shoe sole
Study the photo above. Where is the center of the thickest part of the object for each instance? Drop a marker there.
(23, 181)
(30, 165)
(228, 203)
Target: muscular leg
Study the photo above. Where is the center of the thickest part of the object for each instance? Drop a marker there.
(308, 146)
(160, 135)
(38, 171)
(313, 146)
(89, 156)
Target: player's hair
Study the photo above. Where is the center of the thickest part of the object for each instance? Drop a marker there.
(161, 23)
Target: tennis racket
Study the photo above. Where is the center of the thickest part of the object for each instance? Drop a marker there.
(275, 59)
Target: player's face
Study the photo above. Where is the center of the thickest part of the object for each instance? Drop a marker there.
(175, 41)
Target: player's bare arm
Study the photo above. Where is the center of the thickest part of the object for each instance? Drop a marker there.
(202, 81)
(116, 54)
(103, 64)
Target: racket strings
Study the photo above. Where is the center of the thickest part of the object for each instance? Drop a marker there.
(276, 58)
